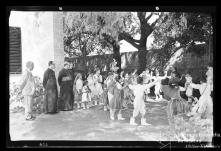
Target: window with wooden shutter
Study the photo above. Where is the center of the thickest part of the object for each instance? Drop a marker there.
(15, 59)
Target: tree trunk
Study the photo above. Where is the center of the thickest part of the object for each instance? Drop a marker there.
(142, 50)
(116, 55)
(211, 50)
(116, 50)
(84, 59)
(142, 60)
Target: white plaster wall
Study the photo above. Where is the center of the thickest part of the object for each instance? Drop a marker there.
(37, 39)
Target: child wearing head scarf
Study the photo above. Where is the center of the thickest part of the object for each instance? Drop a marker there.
(28, 88)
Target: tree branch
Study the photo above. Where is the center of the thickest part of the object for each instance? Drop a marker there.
(141, 16)
(108, 38)
(148, 17)
(176, 49)
(125, 36)
(160, 17)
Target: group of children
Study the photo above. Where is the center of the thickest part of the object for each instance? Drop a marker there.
(115, 91)
(204, 105)
(88, 92)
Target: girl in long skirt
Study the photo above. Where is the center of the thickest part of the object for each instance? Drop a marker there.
(204, 106)
(157, 89)
(104, 95)
(91, 85)
(189, 89)
(114, 97)
(98, 86)
(78, 85)
(127, 95)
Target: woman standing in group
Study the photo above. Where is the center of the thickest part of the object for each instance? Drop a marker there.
(50, 86)
(66, 89)
(28, 88)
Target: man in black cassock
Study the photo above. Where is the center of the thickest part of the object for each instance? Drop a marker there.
(51, 91)
(65, 81)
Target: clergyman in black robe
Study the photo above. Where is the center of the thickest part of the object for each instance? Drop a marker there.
(51, 91)
(66, 91)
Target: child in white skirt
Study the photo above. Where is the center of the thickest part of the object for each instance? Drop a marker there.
(189, 89)
(86, 96)
(204, 106)
(78, 89)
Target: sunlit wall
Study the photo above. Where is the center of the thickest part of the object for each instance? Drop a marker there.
(37, 39)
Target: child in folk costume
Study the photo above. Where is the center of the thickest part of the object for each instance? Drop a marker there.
(98, 86)
(114, 97)
(91, 84)
(104, 95)
(139, 105)
(188, 88)
(127, 95)
(147, 78)
(157, 86)
(86, 96)
(204, 106)
(78, 85)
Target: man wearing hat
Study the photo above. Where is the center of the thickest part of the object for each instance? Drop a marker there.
(65, 82)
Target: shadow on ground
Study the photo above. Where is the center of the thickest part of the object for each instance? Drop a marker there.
(92, 124)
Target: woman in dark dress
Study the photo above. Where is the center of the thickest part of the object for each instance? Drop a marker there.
(65, 81)
(51, 92)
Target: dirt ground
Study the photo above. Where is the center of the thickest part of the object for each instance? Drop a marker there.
(92, 124)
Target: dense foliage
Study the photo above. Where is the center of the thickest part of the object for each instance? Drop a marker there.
(100, 32)
(17, 99)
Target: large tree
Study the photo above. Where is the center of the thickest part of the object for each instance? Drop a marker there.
(183, 30)
(144, 27)
(82, 36)
(88, 32)
(171, 32)
(111, 24)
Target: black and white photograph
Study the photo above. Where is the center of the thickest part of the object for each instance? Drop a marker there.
(140, 75)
